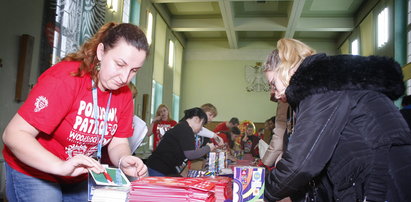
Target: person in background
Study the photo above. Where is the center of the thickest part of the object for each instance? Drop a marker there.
(406, 109)
(235, 144)
(226, 126)
(234, 134)
(160, 125)
(249, 141)
(203, 137)
(269, 124)
(260, 133)
(76, 107)
(178, 144)
(278, 138)
(349, 141)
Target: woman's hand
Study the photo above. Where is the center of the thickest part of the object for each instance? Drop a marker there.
(219, 140)
(212, 146)
(133, 166)
(156, 119)
(245, 138)
(78, 165)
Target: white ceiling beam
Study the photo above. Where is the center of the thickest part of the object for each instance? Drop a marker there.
(187, 25)
(264, 24)
(228, 19)
(294, 17)
(181, 1)
(325, 24)
(163, 12)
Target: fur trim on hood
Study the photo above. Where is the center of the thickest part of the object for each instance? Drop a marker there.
(320, 73)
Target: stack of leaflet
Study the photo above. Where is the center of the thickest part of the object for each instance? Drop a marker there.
(172, 189)
(223, 188)
(110, 194)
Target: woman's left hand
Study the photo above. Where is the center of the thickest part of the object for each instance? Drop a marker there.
(133, 166)
(219, 140)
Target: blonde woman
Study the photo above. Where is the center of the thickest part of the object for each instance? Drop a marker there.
(292, 55)
(161, 124)
(350, 142)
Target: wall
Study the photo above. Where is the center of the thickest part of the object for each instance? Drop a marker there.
(214, 73)
(29, 23)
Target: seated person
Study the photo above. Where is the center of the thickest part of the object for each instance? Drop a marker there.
(235, 134)
(260, 133)
(229, 139)
(250, 141)
(205, 135)
(235, 145)
(226, 126)
(178, 144)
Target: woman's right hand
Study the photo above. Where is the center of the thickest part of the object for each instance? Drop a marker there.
(212, 146)
(245, 138)
(156, 119)
(78, 165)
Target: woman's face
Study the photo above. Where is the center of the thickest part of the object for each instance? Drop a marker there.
(249, 131)
(163, 113)
(197, 124)
(234, 136)
(277, 88)
(210, 116)
(118, 65)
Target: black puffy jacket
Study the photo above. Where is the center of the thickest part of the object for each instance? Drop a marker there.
(350, 142)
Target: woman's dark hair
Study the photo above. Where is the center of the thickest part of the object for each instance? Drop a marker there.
(196, 111)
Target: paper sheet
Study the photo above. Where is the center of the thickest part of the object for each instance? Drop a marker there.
(140, 131)
(262, 148)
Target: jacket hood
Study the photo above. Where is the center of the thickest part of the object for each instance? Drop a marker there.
(320, 73)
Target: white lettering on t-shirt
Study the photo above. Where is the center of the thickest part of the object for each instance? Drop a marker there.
(83, 138)
(87, 130)
(81, 107)
(89, 110)
(84, 125)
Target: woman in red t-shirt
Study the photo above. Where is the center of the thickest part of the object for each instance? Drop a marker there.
(77, 106)
(161, 124)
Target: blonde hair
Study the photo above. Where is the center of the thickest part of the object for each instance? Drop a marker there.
(286, 59)
(272, 61)
(208, 107)
(163, 106)
(291, 53)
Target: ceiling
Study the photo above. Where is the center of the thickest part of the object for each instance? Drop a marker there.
(235, 21)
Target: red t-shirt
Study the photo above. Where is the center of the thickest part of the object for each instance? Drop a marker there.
(221, 127)
(60, 106)
(159, 129)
